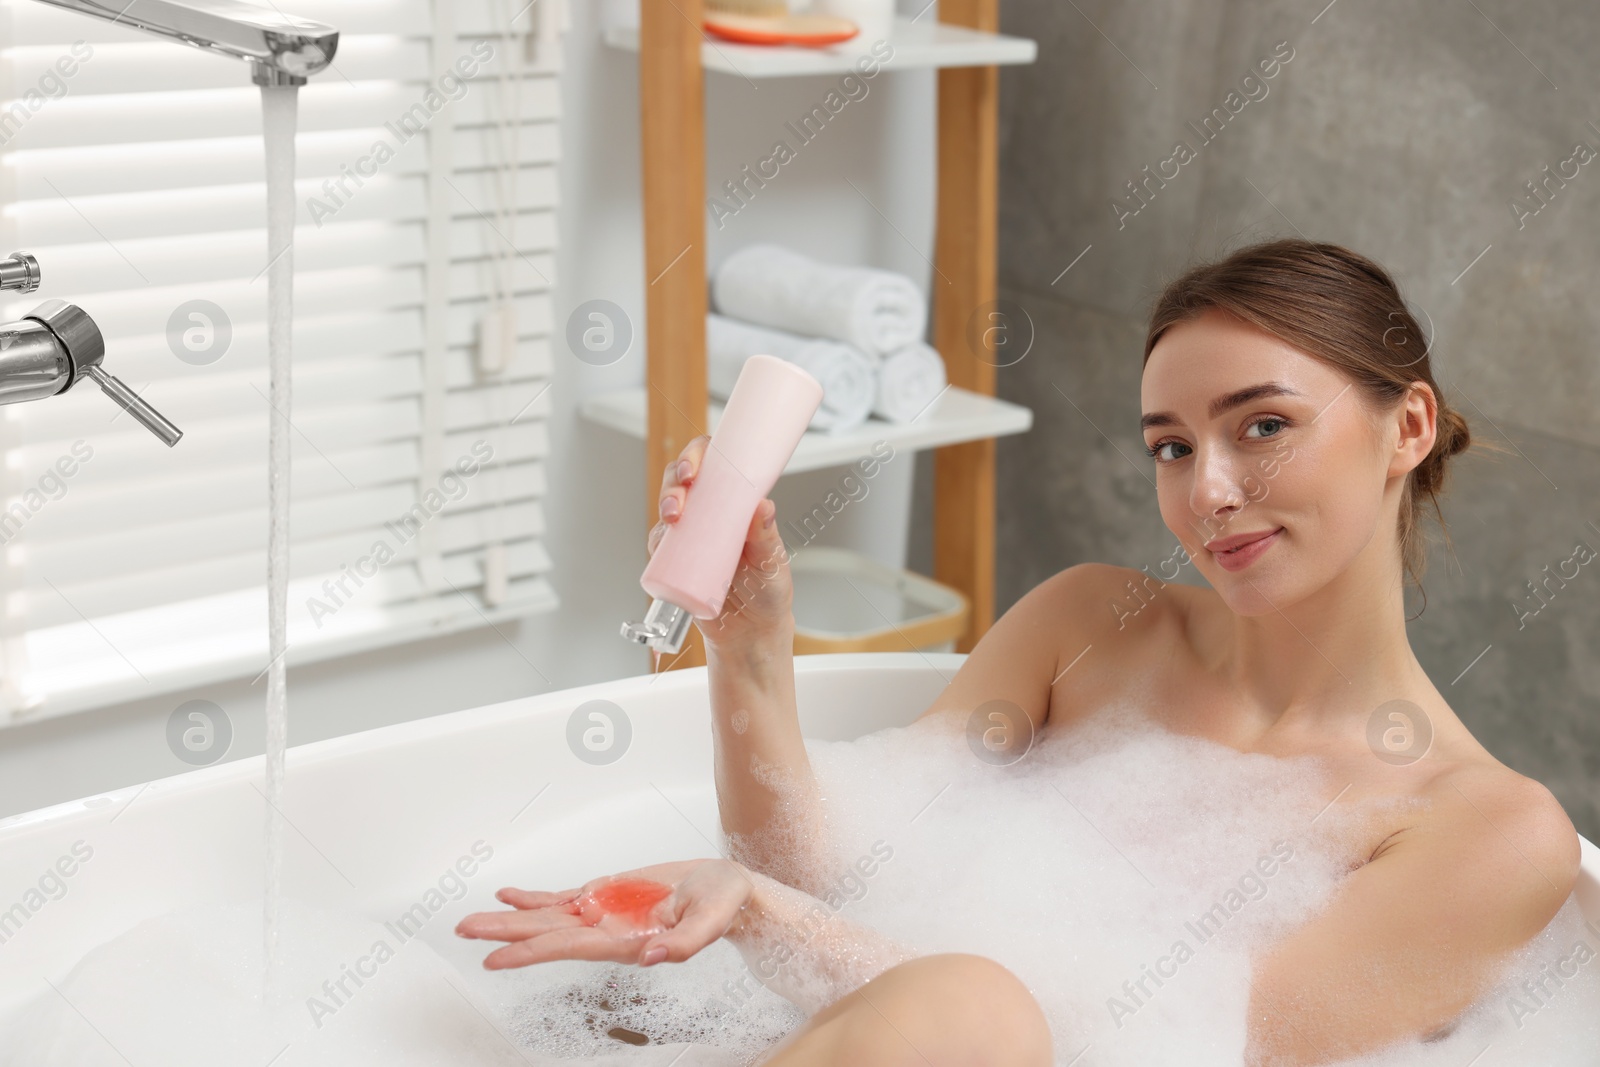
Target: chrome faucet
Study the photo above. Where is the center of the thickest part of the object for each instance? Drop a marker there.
(58, 344)
(281, 49)
(55, 346)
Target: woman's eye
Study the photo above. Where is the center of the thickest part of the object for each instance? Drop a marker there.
(1271, 423)
(1154, 451)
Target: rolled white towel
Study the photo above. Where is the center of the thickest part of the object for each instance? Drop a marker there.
(848, 376)
(908, 381)
(878, 311)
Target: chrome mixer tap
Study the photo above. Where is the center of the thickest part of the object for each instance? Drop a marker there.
(55, 346)
(281, 49)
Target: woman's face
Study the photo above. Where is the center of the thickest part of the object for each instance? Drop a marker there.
(1256, 440)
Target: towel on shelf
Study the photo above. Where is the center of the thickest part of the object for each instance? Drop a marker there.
(908, 381)
(877, 311)
(848, 376)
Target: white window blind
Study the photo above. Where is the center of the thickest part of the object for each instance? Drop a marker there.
(418, 474)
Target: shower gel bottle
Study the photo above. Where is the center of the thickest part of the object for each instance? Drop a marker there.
(771, 404)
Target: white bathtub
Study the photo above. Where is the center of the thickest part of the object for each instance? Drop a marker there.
(376, 817)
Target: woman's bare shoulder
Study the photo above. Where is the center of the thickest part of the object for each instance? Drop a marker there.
(1106, 606)
(1098, 593)
(1025, 657)
(1484, 808)
(1491, 787)
(1019, 659)
(1081, 577)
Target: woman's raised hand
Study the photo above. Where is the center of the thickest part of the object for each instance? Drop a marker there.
(668, 911)
(761, 599)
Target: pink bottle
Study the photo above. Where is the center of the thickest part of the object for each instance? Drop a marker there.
(692, 568)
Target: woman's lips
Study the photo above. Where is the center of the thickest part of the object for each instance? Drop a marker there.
(1237, 559)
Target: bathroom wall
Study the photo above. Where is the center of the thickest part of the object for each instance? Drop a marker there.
(882, 142)
(1404, 129)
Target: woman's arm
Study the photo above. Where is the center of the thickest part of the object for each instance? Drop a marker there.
(804, 951)
(765, 789)
(1417, 934)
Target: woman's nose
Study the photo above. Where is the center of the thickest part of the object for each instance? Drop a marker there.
(1217, 490)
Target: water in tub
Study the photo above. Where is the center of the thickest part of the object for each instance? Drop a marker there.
(1124, 872)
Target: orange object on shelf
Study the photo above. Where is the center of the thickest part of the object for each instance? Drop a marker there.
(808, 30)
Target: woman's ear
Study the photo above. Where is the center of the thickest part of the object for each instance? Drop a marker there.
(1416, 418)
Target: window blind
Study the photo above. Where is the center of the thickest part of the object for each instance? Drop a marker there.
(426, 191)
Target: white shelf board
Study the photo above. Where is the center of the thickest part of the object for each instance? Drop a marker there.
(917, 44)
(958, 415)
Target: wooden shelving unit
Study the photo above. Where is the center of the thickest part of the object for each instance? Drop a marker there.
(674, 406)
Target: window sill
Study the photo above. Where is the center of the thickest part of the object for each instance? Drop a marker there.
(217, 639)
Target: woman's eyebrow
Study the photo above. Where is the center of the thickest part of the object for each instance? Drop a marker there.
(1224, 403)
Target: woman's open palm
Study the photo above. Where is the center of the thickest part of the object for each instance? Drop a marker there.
(668, 911)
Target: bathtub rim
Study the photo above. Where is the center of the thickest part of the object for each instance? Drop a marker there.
(395, 735)
(400, 734)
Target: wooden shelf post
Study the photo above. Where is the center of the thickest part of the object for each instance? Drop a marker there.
(673, 158)
(965, 268)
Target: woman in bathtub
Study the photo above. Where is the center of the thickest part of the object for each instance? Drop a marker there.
(1289, 364)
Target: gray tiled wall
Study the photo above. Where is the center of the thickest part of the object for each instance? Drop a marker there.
(1403, 129)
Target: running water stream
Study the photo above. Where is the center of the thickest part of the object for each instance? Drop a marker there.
(278, 125)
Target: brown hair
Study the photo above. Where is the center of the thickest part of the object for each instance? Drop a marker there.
(1345, 310)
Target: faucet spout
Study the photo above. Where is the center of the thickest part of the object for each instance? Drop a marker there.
(281, 49)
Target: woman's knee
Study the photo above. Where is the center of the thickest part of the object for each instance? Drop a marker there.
(953, 1009)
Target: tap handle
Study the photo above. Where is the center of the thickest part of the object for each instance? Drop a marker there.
(131, 402)
(79, 339)
(19, 271)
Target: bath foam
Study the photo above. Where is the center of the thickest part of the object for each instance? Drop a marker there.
(1122, 872)
(185, 989)
(1015, 863)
